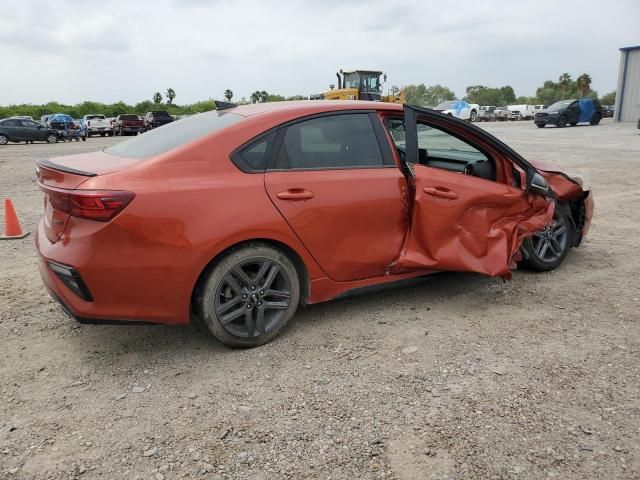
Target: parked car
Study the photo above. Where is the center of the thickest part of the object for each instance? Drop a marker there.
(459, 109)
(23, 130)
(156, 119)
(128, 124)
(97, 124)
(522, 112)
(60, 121)
(487, 113)
(608, 111)
(570, 112)
(234, 217)
(502, 113)
(66, 127)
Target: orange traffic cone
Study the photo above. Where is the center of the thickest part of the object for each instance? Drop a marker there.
(12, 228)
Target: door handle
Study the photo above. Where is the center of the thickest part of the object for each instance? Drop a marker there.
(295, 194)
(440, 192)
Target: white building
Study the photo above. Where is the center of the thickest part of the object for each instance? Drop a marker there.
(627, 107)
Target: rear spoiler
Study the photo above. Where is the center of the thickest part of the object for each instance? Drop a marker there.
(61, 168)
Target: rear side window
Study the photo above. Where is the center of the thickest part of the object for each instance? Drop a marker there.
(253, 158)
(174, 135)
(330, 142)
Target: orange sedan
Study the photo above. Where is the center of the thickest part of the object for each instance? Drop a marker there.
(235, 217)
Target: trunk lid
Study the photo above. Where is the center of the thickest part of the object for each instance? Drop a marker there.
(68, 173)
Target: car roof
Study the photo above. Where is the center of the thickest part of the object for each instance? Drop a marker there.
(309, 107)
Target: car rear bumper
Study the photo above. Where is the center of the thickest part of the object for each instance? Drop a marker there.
(132, 129)
(126, 278)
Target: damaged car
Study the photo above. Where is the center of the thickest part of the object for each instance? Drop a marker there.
(234, 218)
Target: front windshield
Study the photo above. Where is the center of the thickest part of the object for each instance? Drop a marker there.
(352, 80)
(370, 82)
(560, 105)
(445, 106)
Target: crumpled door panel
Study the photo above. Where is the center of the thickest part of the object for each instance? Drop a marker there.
(478, 226)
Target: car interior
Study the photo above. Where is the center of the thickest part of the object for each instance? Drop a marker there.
(439, 149)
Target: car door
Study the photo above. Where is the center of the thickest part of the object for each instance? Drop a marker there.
(335, 181)
(573, 112)
(471, 210)
(13, 128)
(31, 130)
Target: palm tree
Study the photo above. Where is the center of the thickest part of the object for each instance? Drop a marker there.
(228, 94)
(171, 94)
(264, 96)
(255, 97)
(157, 98)
(564, 81)
(584, 84)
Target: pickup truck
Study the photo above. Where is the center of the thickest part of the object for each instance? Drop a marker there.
(97, 124)
(487, 113)
(128, 124)
(156, 119)
(502, 114)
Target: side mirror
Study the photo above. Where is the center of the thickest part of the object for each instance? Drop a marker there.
(538, 185)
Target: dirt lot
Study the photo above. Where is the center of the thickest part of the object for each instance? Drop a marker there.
(453, 376)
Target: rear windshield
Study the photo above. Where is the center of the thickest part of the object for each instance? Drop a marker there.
(160, 114)
(61, 118)
(128, 117)
(165, 138)
(95, 117)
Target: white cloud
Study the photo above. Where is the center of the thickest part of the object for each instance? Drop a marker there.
(123, 50)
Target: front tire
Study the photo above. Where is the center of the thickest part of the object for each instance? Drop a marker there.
(473, 116)
(562, 122)
(249, 296)
(595, 120)
(547, 249)
(4, 139)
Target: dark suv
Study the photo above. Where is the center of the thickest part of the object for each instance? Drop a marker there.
(156, 119)
(570, 112)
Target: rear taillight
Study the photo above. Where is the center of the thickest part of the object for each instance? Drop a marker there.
(99, 205)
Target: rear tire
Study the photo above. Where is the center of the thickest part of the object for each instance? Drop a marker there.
(547, 249)
(249, 296)
(51, 138)
(540, 125)
(595, 120)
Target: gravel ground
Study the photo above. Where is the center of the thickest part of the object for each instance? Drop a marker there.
(452, 376)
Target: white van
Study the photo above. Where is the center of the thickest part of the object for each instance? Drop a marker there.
(522, 112)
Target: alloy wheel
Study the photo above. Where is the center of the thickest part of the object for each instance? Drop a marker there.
(550, 243)
(253, 298)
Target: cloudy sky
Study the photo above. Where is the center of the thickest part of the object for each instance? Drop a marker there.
(108, 50)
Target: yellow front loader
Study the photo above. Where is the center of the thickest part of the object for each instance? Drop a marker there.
(360, 85)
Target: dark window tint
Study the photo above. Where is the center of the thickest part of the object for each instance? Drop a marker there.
(128, 117)
(174, 135)
(337, 141)
(253, 158)
(29, 123)
(11, 123)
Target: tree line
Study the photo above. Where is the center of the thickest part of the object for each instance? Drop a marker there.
(549, 92)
